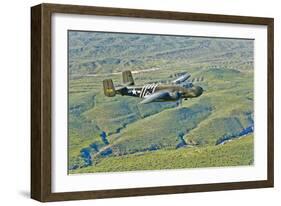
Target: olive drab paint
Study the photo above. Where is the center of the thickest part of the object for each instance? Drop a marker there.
(155, 92)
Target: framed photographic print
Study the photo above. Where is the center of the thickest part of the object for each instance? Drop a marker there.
(130, 102)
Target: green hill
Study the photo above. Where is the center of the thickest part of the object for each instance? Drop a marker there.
(99, 52)
(236, 153)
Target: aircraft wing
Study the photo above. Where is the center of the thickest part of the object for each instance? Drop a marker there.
(155, 96)
(181, 79)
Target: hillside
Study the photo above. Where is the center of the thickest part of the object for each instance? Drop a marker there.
(99, 52)
(239, 152)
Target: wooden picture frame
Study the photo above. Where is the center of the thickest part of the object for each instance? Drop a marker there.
(41, 118)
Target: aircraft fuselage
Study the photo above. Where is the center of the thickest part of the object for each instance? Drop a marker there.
(175, 91)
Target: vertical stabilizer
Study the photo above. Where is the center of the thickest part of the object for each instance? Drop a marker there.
(128, 78)
(108, 88)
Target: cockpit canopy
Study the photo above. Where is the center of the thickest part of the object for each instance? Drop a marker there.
(187, 85)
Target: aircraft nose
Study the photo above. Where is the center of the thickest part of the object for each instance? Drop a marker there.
(198, 91)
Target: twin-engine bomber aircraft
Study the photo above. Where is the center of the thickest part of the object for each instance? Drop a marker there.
(156, 92)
